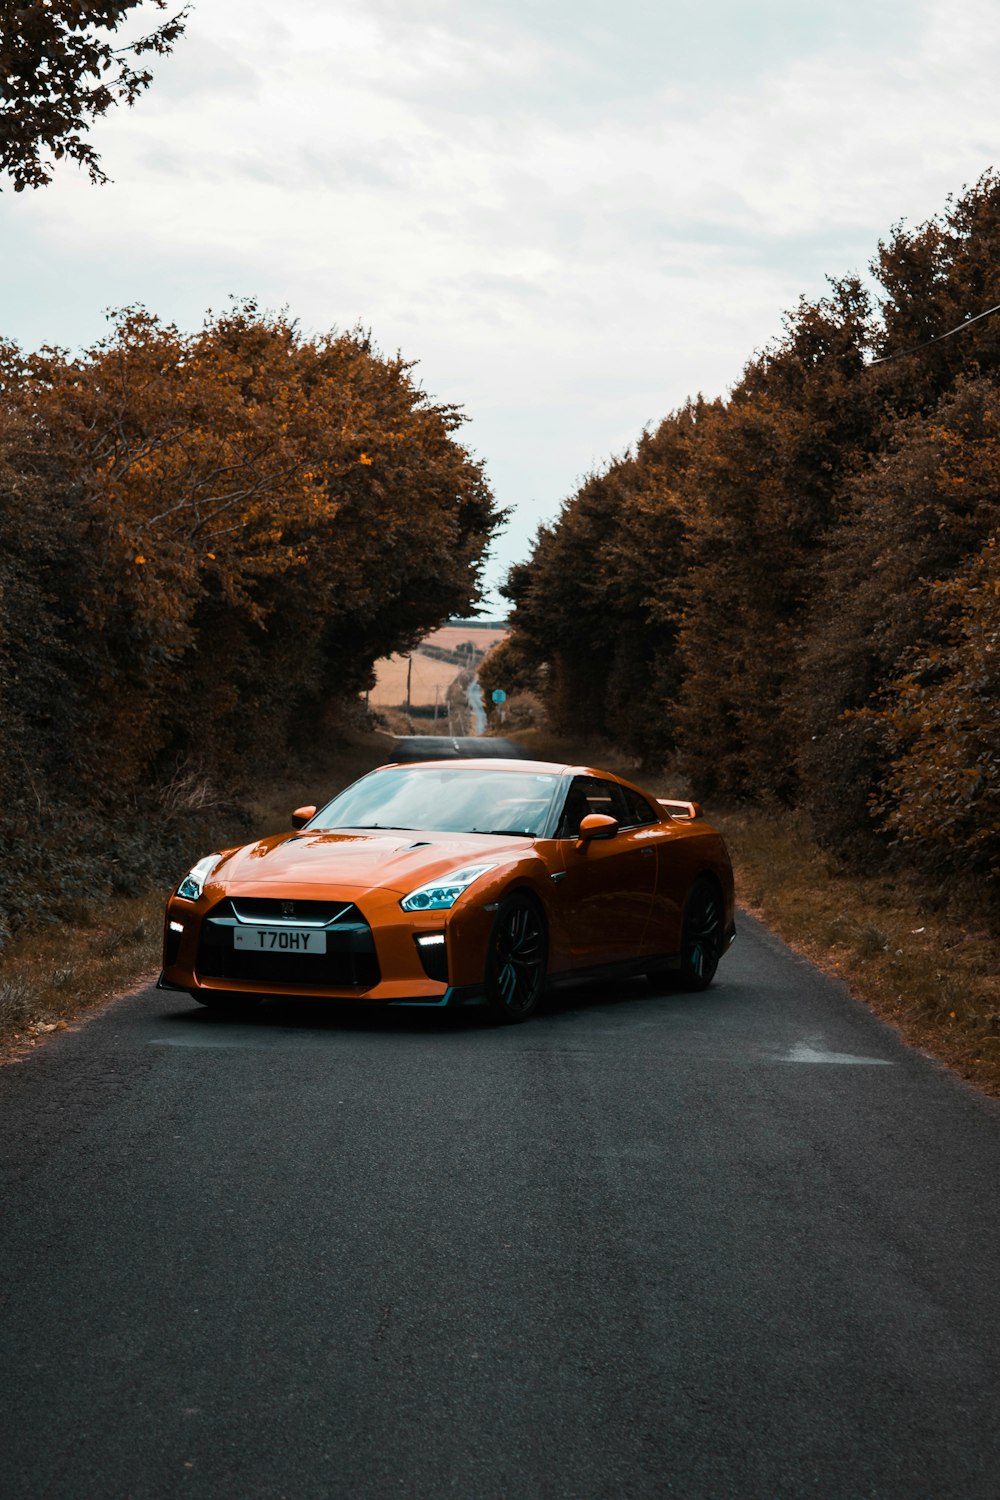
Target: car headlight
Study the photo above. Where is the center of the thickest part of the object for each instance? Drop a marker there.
(193, 883)
(438, 895)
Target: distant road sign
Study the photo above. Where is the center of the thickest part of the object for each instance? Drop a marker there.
(498, 695)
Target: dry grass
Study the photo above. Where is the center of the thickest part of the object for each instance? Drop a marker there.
(396, 721)
(49, 978)
(429, 677)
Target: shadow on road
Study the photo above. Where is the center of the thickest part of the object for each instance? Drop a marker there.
(631, 1000)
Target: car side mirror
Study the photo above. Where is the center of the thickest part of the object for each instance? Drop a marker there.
(301, 816)
(596, 826)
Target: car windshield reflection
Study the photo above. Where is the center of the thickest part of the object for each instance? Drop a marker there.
(444, 800)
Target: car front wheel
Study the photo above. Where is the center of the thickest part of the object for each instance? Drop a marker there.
(516, 960)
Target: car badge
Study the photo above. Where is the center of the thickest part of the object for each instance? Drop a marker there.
(288, 908)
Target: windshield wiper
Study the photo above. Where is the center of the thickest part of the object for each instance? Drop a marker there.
(364, 828)
(520, 833)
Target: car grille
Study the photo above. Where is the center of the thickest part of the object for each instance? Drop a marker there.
(295, 913)
(350, 962)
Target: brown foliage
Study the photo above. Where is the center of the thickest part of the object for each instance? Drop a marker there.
(913, 514)
(58, 74)
(794, 587)
(512, 669)
(944, 729)
(764, 489)
(203, 539)
(597, 603)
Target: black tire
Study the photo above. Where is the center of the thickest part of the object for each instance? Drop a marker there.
(221, 1003)
(702, 935)
(516, 960)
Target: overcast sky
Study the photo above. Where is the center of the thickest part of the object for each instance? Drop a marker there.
(572, 214)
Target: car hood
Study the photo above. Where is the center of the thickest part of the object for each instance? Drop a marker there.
(393, 860)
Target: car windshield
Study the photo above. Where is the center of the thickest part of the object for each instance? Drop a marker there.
(444, 799)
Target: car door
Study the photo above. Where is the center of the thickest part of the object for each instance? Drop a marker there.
(662, 934)
(606, 888)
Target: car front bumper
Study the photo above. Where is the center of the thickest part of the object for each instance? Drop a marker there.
(390, 966)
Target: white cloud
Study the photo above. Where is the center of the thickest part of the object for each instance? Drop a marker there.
(572, 219)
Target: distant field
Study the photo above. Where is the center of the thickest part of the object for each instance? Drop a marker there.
(450, 636)
(390, 681)
(390, 673)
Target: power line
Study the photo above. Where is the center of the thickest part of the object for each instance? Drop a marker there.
(902, 353)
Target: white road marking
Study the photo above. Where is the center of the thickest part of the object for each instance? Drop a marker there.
(262, 1039)
(802, 1052)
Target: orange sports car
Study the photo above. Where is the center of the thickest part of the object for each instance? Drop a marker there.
(471, 882)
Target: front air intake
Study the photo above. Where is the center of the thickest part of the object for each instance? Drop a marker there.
(349, 963)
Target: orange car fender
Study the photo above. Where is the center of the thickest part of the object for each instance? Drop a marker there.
(705, 854)
(471, 921)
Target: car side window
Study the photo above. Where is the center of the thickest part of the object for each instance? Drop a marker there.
(589, 794)
(639, 811)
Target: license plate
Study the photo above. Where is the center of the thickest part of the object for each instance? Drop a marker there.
(280, 939)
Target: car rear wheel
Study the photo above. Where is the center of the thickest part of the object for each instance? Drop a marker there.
(516, 960)
(701, 941)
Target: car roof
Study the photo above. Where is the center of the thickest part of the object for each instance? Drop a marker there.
(495, 763)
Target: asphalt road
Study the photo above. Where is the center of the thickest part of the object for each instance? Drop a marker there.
(474, 697)
(457, 747)
(740, 1244)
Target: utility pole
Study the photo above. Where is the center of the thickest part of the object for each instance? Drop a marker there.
(409, 676)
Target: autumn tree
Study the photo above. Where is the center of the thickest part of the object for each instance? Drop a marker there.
(60, 70)
(937, 280)
(762, 490)
(594, 606)
(913, 511)
(206, 539)
(817, 519)
(942, 792)
(509, 667)
(914, 514)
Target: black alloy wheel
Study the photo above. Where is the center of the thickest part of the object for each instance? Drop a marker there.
(701, 941)
(516, 960)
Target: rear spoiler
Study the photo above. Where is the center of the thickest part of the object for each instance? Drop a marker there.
(687, 810)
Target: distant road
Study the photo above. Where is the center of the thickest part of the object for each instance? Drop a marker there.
(474, 696)
(458, 747)
(733, 1246)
